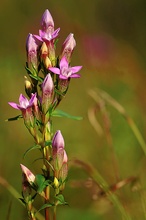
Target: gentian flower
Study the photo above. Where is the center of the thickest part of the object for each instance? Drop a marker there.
(47, 32)
(68, 47)
(25, 106)
(24, 103)
(65, 71)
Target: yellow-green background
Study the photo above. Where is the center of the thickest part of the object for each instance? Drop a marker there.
(111, 46)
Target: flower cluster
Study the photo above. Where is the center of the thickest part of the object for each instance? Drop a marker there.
(47, 83)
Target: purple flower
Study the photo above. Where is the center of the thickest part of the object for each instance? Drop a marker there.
(47, 32)
(24, 103)
(65, 70)
(68, 46)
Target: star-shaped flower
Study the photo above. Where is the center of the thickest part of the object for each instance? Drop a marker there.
(24, 103)
(65, 71)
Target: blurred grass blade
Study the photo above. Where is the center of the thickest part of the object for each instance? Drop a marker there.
(94, 122)
(16, 195)
(94, 94)
(94, 174)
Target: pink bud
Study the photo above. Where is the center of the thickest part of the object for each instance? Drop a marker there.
(47, 21)
(47, 92)
(58, 150)
(68, 46)
(58, 141)
(31, 48)
(29, 175)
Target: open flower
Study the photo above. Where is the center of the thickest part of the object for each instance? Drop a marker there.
(65, 71)
(25, 106)
(47, 32)
(24, 103)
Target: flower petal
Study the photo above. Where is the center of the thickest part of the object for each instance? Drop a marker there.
(75, 76)
(31, 101)
(55, 70)
(76, 69)
(63, 77)
(14, 105)
(55, 33)
(23, 101)
(63, 63)
(38, 37)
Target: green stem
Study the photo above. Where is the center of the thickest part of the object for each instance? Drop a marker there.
(54, 212)
(47, 155)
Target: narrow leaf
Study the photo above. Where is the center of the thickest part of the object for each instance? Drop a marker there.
(36, 78)
(45, 206)
(14, 118)
(60, 113)
(31, 148)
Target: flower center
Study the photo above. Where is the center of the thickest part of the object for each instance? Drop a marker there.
(65, 71)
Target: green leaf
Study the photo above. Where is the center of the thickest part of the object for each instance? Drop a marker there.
(61, 200)
(60, 113)
(45, 206)
(48, 143)
(32, 148)
(36, 78)
(14, 118)
(41, 183)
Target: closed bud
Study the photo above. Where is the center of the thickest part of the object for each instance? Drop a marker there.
(58, 150)
(47, 93)
(30, 177)
(68, 47)
(63, 171)
(56, 182)
(47, 21)
(28, 87)
(47, 62)
(44, 50)
(31, 48)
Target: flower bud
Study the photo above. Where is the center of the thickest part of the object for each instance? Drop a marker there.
(68, 47)
(44, 50)
(63, 171)
(58, 150)
(47, 21)
(28, 87)
(30, 177)
(31, 48)
(56, 182)
(47, 93)
(47, 63)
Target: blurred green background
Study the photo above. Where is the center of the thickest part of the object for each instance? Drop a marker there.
(111, 39)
